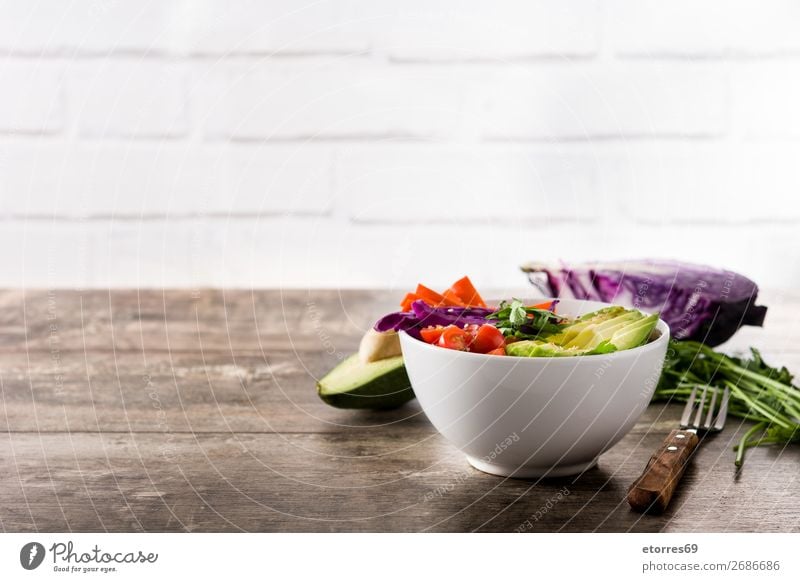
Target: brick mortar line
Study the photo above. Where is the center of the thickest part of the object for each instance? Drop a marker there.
(281, 215)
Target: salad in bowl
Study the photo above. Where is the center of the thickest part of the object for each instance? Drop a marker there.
(525, 388)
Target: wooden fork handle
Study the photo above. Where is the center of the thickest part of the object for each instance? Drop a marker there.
(651, 492)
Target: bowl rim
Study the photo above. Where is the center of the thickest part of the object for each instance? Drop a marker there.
(661, 326)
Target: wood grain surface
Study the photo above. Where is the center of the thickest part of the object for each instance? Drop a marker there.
(134, 410)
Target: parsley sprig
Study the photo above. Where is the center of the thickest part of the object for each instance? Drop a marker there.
(758, 392)
(516, 321)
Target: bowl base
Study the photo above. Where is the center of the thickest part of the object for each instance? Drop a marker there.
(524, 472)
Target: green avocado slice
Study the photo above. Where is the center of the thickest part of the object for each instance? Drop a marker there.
(538, 349)
(634, 334)
(601, 332)
(587, 321)
(591, 336)
(375, 385)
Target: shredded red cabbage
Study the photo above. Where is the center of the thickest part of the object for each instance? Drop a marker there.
(423, 315)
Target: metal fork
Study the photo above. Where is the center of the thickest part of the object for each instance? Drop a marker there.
(652, 491)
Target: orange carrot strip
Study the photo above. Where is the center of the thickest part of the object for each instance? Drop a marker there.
(452, 300)
(465, 290)
(429, 296)
(405, 304)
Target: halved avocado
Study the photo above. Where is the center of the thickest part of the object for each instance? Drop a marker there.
(374, 385)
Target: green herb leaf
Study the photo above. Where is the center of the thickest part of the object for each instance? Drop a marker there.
(517, 316)
(515, 320)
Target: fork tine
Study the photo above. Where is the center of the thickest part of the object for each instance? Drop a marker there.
(687, 410)
(723, 410)
(710, 416)
(699, 414)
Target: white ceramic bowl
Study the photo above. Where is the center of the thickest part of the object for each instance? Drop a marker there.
(534, 417)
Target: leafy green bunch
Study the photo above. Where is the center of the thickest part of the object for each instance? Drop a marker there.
(759, 392)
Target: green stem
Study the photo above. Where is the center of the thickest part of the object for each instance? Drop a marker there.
(772, 415)
(780, 387)
(743, 443)
(755, 394)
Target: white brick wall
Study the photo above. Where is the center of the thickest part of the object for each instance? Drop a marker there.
(474, 30)
(766, 98)
(31, 97)
(91, 27)
(585, 101)
(487, 185)
(341, 99)
(129, 98)
(378, 143)
(704, 28)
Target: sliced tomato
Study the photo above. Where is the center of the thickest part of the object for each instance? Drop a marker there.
(431, 334)
(487, 338)
(497, 352)
(466, 292)
(471, 328)
(455, 338)
(428, 295)
(405, 304)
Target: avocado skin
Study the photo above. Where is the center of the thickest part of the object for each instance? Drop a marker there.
(389, 390)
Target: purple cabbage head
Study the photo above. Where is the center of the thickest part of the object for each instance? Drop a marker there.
(423, 315)
(699, 303)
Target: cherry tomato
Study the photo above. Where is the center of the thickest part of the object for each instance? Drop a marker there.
(431, 334)
(471, 328)
(487, 338)
(455, 338)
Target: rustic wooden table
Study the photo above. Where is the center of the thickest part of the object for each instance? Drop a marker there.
(196, 411)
